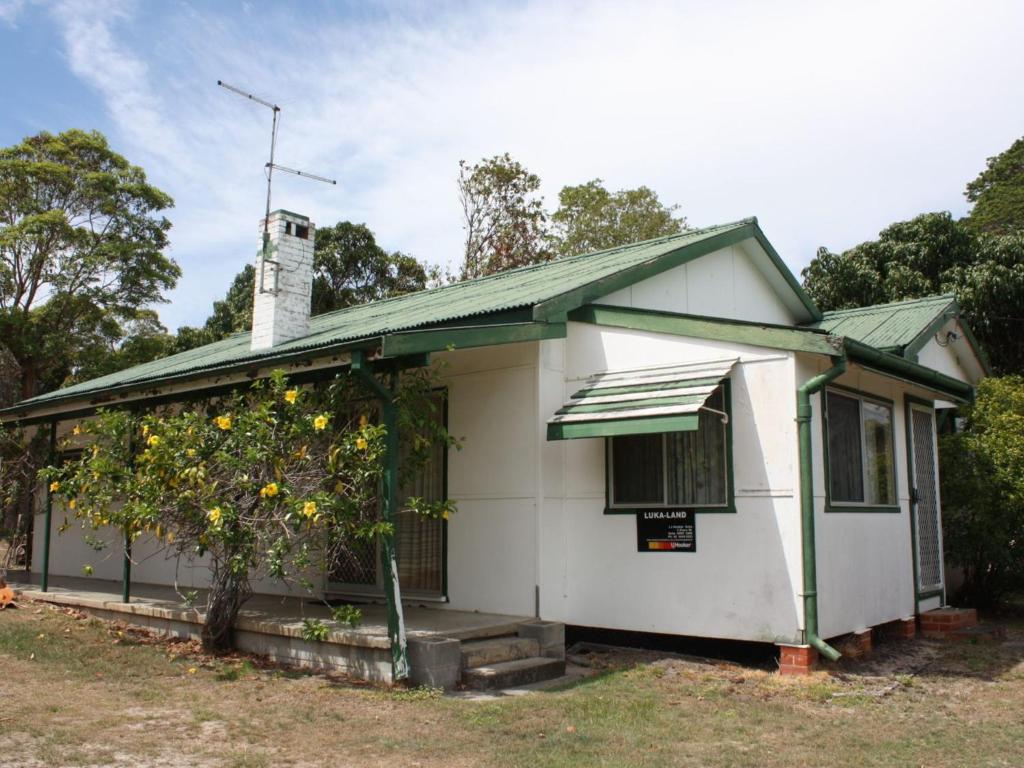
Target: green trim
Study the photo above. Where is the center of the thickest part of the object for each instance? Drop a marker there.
(838, 509)
(911, 372)
(631, 405)
(808, 545)
(846, 507)
(437, 340)
(611, 427)
(780, 265)
(918, 343)
(696, 326)
(444, 492)
(392, 589)
(558, 307)
(909, 401)
(44, 577)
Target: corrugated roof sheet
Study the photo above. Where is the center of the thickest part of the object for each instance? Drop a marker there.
(514, 289)
(888, 326)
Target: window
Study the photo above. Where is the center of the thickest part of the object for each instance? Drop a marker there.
(861, 464)
(673, 469)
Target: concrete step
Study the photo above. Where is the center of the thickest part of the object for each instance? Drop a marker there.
(510, 674)
(480, 653)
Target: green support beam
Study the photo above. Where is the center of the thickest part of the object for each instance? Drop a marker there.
(44, 577)
(696, 326)
(392, 589)
(461, 337)
(126, 566)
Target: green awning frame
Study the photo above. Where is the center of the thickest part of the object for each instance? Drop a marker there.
(666, 398)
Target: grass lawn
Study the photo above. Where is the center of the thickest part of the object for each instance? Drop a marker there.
(77, 691)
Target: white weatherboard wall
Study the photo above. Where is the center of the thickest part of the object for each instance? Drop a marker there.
(743, 580)
(865, 566)
(725, 283)
(492, 539)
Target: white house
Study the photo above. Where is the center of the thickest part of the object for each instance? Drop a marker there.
(663, 437)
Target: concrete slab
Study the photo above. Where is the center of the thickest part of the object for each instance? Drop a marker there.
(272, 625)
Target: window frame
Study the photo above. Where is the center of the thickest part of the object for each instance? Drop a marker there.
(858, 506)
(729, 507)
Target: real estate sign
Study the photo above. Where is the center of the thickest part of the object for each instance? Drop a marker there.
(666, 530)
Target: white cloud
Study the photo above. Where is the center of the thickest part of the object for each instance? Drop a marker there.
(827, 121)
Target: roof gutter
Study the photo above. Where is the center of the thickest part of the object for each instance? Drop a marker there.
(912, 372)
(808, 546)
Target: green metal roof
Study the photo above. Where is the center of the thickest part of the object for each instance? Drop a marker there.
(891, 327)
(541, 292)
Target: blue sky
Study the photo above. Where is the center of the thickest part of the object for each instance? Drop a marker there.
(826, 120)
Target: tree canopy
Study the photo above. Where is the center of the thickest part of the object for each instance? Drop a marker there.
(998, 193)
(507, 224)
(503, 216)
(349, 267)
(81, 253)
(590, 218)
(930, 254)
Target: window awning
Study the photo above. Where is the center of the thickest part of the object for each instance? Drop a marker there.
(640, 401)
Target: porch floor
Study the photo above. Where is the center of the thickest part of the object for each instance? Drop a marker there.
(263, 614)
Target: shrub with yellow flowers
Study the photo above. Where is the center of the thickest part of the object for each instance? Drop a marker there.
(276, 478)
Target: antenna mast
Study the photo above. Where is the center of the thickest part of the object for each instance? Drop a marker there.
(270, 166)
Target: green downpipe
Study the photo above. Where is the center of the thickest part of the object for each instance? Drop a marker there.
(392, 590)
(44, 577)
(808, 546)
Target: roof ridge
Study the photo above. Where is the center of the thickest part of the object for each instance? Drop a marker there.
(531, 267)
(905, 302)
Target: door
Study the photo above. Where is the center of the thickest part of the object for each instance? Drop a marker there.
(925, 514)
(419, 542)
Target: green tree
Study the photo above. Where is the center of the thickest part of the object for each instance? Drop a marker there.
(998, 193)
(930, 254)
(503, 216)
(81, 259)
(349, 267)
(590, 218)
(81, 252)
(982, 473)
(275, 478)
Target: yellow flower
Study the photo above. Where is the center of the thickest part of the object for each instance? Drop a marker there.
(77, 430)
(269, 490)
(71, 504)
(190, 452)
(214, 515)
(320, 422)
(54, 486)
(153, 441)
(309, 508)
(361, 443)
(445, 514)
(363, 421)
(223, 422)
(291, 396)
(145, 429)
(170, 537)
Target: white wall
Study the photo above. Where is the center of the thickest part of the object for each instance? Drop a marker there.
(865, 566)
(726, 283)
(953, 357)
(743, 580)
(492, 539)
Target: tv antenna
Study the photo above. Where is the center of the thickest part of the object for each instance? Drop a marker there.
(270, 167)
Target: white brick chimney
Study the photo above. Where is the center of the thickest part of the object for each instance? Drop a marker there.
(284, 281)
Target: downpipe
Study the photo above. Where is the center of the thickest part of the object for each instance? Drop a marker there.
(804, 413)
